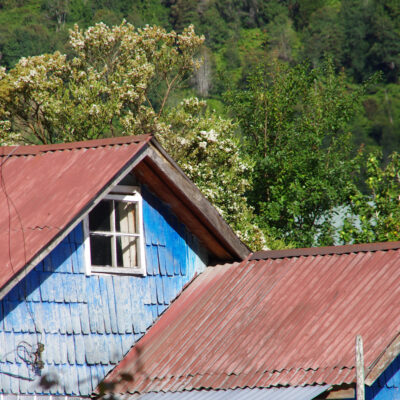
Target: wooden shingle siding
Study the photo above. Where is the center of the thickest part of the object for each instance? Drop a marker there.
(87, 323)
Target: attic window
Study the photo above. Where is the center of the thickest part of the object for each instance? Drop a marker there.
(114, 233)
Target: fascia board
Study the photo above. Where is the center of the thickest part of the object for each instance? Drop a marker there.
(205, 211)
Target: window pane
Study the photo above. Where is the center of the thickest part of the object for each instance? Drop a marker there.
(127, 251)
(125, 215)
(99, 217)
(100, 250)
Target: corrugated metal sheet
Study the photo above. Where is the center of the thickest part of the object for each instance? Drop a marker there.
(87, 323)
(262, 323)
(315, 251)
(43, 188)
(291, 393)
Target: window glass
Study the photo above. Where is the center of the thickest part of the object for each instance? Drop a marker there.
(115, 235)
(100, 250)
(125, 217)
(100, 217)
(127, 251)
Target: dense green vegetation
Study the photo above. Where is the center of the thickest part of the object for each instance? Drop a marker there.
(285, 78)
(361, 37)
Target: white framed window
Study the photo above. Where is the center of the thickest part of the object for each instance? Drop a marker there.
(114, 240)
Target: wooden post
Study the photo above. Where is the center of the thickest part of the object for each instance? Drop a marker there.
(360, 368)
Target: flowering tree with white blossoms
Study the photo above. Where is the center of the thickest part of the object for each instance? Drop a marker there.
(118, 83)
(208, 150)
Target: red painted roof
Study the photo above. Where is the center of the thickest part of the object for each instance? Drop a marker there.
(44, 188)
(290, 320)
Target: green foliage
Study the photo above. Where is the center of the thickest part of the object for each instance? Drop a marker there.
(209, 151)
(283, 41)
(361, 38)
(302, 10)
(324, 36)
(375, 217)
(378, 125)
(374, 34)
(294, 122)
(182, 13)
(33, 39)
(102, 91)
(151, 12)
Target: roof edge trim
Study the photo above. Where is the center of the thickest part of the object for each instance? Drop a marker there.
(322, 251)
(209, 215)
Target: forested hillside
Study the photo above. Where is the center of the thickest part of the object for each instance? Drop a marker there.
(305, 90)
(361, 36)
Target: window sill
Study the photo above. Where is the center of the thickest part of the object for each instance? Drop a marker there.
(117, 271)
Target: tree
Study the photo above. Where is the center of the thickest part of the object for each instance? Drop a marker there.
(375, 216)
(118, 83)
(57, 10)
(294, 122)
(210, 153)
(324, 36)
(372, 36)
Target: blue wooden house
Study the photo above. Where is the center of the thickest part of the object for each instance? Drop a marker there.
(97, 238)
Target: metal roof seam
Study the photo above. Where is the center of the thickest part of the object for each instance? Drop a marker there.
(260, 313)
(153, 350)
(360, 305)
(272, 307)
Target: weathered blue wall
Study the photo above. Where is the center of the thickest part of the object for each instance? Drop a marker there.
(387, 386)
(87, 323)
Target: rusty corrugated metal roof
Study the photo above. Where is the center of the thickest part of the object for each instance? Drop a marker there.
(315, 251)
(44, 188)
(268, 322)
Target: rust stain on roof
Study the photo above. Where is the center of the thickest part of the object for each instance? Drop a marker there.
(273, 322)
(44, 188)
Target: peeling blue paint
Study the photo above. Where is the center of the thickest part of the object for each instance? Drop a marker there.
(87, 323)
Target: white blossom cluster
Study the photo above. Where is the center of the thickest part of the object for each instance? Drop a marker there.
(208, 150)
(101, 91)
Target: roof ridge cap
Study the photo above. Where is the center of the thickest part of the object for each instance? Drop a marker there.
(25, 150)
(323, 251)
